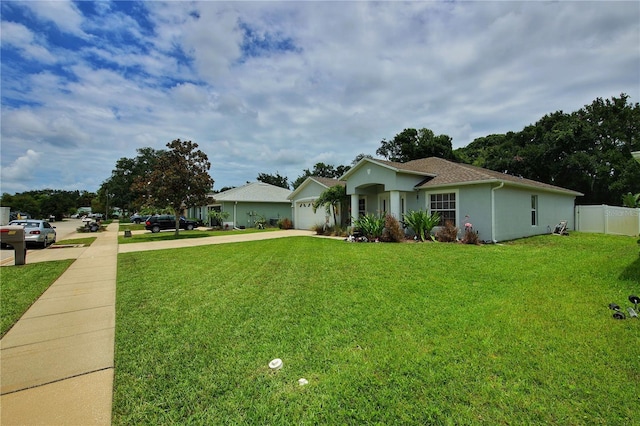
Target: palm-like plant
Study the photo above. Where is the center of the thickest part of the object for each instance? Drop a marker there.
(422, 223)
(414, 220)
(370, 225)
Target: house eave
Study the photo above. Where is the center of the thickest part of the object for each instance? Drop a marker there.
(384, 165)
(555, 190)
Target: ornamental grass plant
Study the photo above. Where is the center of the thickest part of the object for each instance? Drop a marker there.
(515, 333)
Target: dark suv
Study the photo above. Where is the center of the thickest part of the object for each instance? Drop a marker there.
(166, 221)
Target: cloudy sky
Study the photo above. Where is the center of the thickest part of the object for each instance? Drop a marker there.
(276, 87)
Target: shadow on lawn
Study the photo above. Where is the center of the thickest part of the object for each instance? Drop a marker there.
(632, 272)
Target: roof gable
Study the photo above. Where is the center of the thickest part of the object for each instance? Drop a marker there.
(324, 182)
(259, 192)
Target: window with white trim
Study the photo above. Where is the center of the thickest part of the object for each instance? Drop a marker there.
(362, 207)
(445, 206)
(534, 210)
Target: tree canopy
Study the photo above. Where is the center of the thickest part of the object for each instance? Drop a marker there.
(118, 189)
(412, 144)
(588, 150)
(276, 180)
(47, 202)
(321, 170)
(180, 179)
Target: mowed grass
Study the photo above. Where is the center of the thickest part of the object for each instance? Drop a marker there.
(184, 234)
(385, 333)
(76, 241)
(22, 285)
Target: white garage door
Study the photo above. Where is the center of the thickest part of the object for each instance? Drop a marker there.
(306, 218)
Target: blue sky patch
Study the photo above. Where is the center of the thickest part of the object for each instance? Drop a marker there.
(256, 44)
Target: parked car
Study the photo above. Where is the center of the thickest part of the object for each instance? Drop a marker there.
(166, 221)
(137, 219)
(37, 232)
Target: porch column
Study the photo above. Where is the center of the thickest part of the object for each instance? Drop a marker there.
(394, 204)
(354, 207)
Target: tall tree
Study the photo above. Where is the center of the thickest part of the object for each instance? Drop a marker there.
(180, 179)
(277, 180)
(118, 190)
(412, 144)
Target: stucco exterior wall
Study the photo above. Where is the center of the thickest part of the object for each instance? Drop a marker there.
(310, 191)
(513, 212)
(239, 213)
(367, 175)
(475, 208)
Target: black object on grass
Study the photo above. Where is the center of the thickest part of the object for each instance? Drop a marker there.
(619, 315)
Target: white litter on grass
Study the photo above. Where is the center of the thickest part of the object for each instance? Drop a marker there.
(303, 382)
(275, 364)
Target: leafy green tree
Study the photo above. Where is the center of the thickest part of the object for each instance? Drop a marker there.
(588, 150)
(331, 198)
(46, 202)
(276, 180)
(179, 180)
(24, 202)
(321, 170)
(412, 144)
(358, 158)
(631, 200)
(118, 190)
(57, 203)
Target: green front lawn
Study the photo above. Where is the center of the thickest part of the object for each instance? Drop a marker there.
(196, 233)
(22, 285)
(385, 333)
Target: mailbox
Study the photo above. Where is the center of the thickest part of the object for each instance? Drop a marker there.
(14, 235)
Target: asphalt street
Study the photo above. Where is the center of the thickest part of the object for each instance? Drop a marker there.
(63, 230)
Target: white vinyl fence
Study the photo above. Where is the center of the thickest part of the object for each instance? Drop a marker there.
(608, 220)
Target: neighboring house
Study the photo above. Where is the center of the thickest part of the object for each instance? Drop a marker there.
(303, 198)
(247, 204)
(636, 155)
(500, 206)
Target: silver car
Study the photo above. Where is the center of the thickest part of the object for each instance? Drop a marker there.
(38, 232)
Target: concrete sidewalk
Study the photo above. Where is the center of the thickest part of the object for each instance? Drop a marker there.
(56, 363)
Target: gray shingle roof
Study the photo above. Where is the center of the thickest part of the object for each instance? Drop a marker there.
(258, 192)
(328, 182)
(441, 172)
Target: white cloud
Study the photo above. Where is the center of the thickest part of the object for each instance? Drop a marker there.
(322, 81)
(20, 172)
(63, 13)
(20, 37)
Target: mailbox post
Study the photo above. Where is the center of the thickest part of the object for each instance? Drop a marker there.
(14, 236)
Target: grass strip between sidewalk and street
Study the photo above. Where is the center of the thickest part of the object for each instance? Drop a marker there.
(411, 333)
